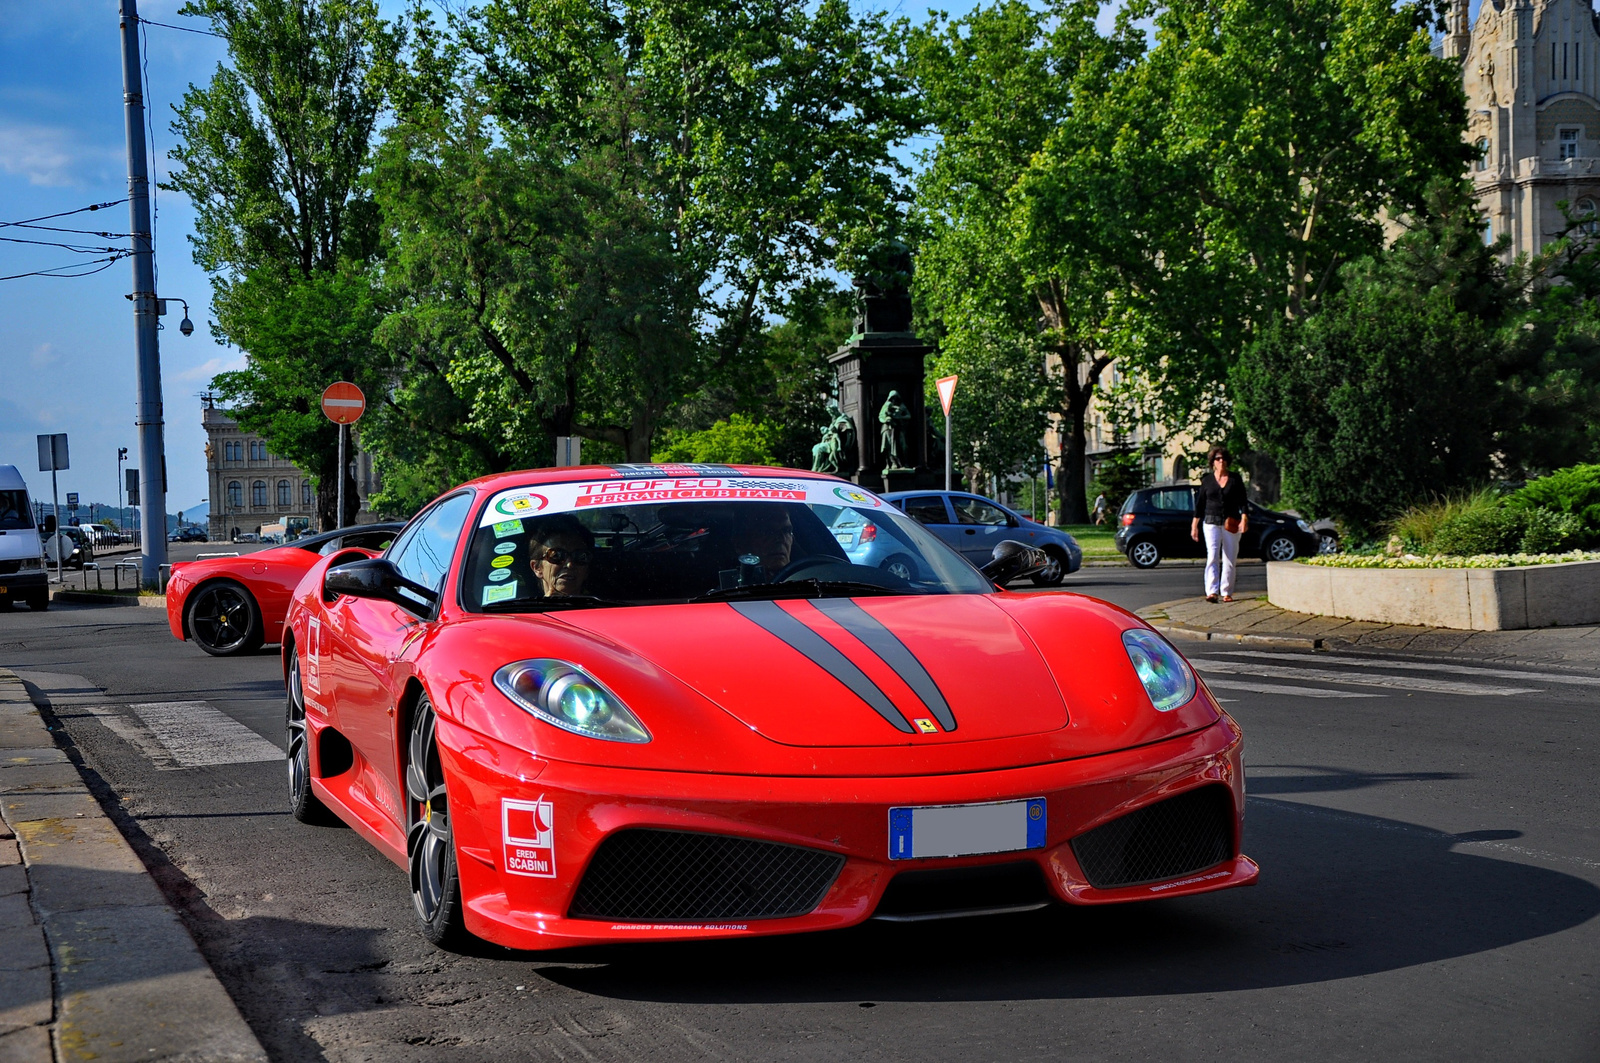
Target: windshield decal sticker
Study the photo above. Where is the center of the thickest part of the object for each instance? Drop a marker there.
(499, 592)
(504, 528)
(670, 469)
(498, 574)
(519, 503)
(857, 497)
(505, 548)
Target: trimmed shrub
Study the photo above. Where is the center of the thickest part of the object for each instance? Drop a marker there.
(1494, 530)
(1547, 532)
(1574, 490)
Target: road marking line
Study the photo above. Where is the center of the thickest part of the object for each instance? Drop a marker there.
(1419, 666)
(1364, 679)
(1276, 688)
(198, 735)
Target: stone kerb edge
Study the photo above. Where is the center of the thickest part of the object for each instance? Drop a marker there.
(1498, 599)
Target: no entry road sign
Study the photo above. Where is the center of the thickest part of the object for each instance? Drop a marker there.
(343, 403)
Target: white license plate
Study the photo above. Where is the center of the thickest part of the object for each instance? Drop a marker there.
(966, 830)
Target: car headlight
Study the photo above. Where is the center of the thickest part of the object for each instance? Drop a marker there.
(1166, 676)
(564, 695)
(31, 564)
(1304, 526)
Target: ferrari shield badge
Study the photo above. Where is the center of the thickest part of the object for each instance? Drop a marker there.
(529, 833)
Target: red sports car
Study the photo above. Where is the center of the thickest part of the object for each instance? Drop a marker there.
(644, 702)
(231, 605)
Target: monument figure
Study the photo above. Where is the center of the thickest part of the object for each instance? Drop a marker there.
(893, 419)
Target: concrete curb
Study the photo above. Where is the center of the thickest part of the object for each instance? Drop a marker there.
(94, 963)
(147, 601)
(1186, 633)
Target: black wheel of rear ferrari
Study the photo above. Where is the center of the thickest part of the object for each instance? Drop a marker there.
(303, 804)
(430, 846)
(224, 619)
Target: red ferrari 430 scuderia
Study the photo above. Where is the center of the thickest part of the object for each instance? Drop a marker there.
(655, 702)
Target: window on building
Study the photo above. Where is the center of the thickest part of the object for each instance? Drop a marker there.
(305, 492)
(1586, 217)
(258, 493)
(235, 494)
(1482, 147)
(1488, 231)
(1563, 62)
(1568, 139)
(285, 499)
(232, 450)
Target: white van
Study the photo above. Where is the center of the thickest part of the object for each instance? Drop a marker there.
(22, 572)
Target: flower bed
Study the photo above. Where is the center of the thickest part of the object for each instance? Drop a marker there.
(1446, 561)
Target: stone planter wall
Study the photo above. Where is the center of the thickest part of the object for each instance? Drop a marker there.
(1473, 599)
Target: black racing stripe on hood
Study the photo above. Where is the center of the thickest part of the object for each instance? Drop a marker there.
(771, 617)
(887, 645)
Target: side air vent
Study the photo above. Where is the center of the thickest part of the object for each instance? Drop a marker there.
(1178, 836)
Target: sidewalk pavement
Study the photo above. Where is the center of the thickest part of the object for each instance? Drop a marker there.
(1255, 620)
(93, 962)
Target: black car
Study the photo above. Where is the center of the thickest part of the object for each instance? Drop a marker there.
(1155, 521)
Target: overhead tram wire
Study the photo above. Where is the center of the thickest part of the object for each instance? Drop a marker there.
(55, 272)
(82, 249)
(185, 29)
(64, 214)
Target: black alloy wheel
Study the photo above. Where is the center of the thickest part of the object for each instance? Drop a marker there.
(1057, 570)
(1279, 548)
(430, 846)
(1144, 553)
(303, 803)
(224, 619)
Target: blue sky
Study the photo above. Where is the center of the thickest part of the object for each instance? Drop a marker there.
(67, 345)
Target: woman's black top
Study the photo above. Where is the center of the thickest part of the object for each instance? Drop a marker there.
(1214, 503)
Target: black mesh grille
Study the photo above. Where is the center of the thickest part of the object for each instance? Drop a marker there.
(1182, 834)
(8, 567)
(958, 889)
(678, 876)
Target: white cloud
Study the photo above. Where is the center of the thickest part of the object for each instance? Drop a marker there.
(54, 156)
(211, 368)
(43, 355)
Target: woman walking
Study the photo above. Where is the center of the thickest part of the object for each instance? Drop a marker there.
(1219, 507)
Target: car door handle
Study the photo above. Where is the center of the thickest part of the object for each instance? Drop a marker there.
(970, 531)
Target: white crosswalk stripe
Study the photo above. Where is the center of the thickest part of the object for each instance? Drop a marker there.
(1279, 688)
(1358, 677)
(1463, 670)
(197, 735)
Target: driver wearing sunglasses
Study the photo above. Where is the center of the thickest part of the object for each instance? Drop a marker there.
(561, 551)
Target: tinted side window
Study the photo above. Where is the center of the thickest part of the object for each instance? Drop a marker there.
(423, 551)
(928, 509)
(14, 515)
(1175, 500)
(977, 511)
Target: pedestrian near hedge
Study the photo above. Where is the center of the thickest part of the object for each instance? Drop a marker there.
(1219, 509)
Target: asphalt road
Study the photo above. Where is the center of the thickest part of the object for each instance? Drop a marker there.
(1428, 829)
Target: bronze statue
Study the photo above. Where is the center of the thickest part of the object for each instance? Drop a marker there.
(893, 418)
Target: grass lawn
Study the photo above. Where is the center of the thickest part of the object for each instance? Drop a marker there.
(1096, 541)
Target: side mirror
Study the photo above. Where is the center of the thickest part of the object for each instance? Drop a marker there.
(49, 527)
(1013, 560)
(377, 578)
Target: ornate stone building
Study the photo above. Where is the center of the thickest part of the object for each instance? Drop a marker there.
(1532, 74)
(251, 488)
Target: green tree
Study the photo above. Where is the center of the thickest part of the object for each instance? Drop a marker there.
(593, 209)
(998, 85)
(735, 441)
(1392, 393)
(271, 154)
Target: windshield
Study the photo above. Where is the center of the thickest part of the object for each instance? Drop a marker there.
(618, 542)
(14, 515)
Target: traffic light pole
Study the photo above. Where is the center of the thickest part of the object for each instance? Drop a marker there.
(147, 409)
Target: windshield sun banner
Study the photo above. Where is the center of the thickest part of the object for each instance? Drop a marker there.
(544, 499)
